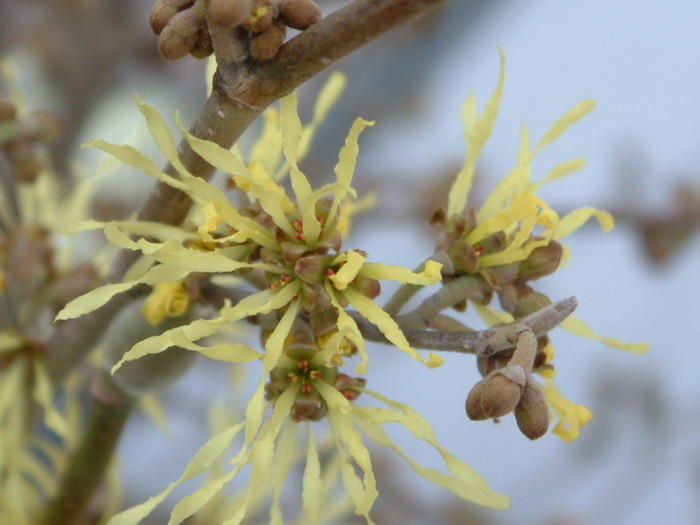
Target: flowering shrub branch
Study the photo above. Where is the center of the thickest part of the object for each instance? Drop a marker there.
(238, 97)
(268, 248)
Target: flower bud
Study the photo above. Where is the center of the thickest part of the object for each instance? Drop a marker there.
(301, 346)
(367, 286)
(532, 413)
(229, 13)
(499, 276)
(463, 256)
(493, 243)
(308, 406)
(496, 395)
(312, 268)
(323, 322)
(264, 45)
(163, 11)
(330, 241)
(300, 14)
(542, 261)
(438, 217)
(349, 386)
(260, 17)
(529, 301)
(180, 35)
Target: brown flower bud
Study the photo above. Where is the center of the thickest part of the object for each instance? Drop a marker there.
(300, 14)
(180, 35)
(496, 395)
(229, 13)
(261, 16)
(330, 241)
(312, 268)
(542, 261)
(463, 256)
(163, 11)
(438, 217)
(529, 301)
(264, 45)
(308, 406)
(532, 413)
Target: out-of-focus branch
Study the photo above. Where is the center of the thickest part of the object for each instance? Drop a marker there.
(108, 416)
(241, 92)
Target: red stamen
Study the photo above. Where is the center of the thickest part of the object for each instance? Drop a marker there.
(306, 388)
(303, 364)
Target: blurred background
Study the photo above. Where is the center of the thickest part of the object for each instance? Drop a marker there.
(638, 460)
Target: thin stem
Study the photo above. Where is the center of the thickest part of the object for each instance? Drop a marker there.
(451, 293)
(485, 342)
(89, 462)
(239, 95)
(403, 295)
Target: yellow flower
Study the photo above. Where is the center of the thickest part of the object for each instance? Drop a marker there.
(498, 241)
(512, 206)
(166, 300)
(272, 451)
(283, 232)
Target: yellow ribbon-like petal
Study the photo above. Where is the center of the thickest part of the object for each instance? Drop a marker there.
(429, 276)
(204, 458)
(578, 327)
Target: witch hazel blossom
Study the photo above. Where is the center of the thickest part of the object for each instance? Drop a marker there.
(503, 246)
(292, 242)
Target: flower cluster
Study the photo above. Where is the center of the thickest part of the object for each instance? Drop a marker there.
(291, 249)
(499, 249)
(311, 293)
(182, 26)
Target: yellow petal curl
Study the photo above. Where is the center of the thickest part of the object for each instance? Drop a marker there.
(578, 327)
(572, 416)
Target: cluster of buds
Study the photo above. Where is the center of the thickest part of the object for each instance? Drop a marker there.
(509, 386)
(312, 263)
(300, 365)
(22, 138)
(181, 28)
(182, 25)
(509, 281)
